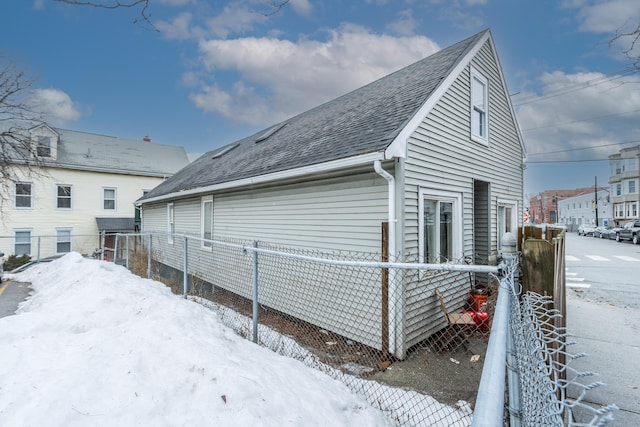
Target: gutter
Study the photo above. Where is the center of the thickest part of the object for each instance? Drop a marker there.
(393, 280)
(274, 176)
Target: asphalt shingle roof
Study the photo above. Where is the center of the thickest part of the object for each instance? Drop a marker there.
(363, 121)
(115, 224)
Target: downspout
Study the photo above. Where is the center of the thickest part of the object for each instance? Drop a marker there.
(393, 283)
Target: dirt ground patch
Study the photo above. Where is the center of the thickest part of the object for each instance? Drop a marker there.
(446, 376)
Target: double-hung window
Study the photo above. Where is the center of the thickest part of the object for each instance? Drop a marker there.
(23, 195)
(43, 146)
(63, 197)
(618, 189)
(632, 187)
(22, 244)
(171, 226)
(207, 222)
(479, 107)
(109, 199)
(63, 240)
(440, 226)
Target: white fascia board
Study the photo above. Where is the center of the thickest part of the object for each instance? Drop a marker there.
(275, 176)
(398, 148)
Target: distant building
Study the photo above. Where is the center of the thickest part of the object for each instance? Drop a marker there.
(625, 174)
(581, 209)
(559, 206)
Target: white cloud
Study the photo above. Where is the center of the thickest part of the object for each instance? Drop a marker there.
(302, 7)
(180, 28)
(235, 18)
(576, 111)
(280, 78)
(405, 24)
(609, 16)
(38, 5)
(56, 106)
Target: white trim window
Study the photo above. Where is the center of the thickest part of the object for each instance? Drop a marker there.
(619, 210)
(440, 226)
(22, 242)
(171, 226)
(63, 196)
(479, 107)
(23, 195)
(63, 240)
(109, 199)
(632, 210)
(43, 146)
(507, 219)
(206, 226)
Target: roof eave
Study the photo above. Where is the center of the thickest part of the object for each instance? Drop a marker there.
(333, 165)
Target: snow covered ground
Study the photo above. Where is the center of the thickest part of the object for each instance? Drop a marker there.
(96, 345)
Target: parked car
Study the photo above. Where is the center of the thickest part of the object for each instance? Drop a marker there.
(602, 232)
(630, 231)
(613, 233)
(586, 230)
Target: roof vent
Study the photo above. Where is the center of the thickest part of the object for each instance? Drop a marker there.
(270, 132)
(146, 138)
(224, 151)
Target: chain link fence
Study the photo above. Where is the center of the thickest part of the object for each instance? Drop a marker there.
(346, 314)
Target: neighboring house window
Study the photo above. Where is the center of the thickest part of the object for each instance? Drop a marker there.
(632, 210)
(479, 107)
(632, 187)
(63, 241)
(43, 146)
(207, 222)
(618, 189)
(22, 244)
(23, 195)
(619, 210)
(171, 227)
(440, 227)
(109, 199)
(63, 197)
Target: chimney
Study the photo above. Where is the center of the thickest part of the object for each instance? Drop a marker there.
(146, 138)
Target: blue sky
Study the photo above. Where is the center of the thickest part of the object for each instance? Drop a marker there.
(215, 71)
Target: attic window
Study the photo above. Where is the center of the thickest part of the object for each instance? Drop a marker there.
(270, 132)
(224, 151)
(43, 146)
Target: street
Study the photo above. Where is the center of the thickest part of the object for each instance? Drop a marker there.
(603, 288)
(12, 294)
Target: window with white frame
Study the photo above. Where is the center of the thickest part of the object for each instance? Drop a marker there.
(631, 186)
(63, 196)
(23, 194)
(207, 222)
(22, 242)
(479, 107)
(632, 210)
(619, 210)
(507, 221)
(43, 146)
(109, 199)
(440, 226)
(63, 240)
(171, 226)
(618, 189)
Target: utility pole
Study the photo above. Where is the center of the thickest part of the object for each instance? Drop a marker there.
(596, 191)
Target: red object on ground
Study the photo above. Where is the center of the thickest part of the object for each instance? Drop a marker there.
(481, 319)
(479, 299)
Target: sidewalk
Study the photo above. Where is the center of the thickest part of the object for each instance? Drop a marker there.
(611, 337)
(12, 294)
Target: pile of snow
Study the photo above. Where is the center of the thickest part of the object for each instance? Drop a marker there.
(96, 345)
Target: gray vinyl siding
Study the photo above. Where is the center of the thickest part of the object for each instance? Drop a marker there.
(328, 215)
(442, 156)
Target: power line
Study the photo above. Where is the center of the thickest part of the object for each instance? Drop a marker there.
(584, 148)
(581, 120)
(574, 88)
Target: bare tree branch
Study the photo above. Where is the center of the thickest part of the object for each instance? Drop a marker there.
(273, 6)
(632, 37)
(18, 157)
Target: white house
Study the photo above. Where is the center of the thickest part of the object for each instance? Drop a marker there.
(433, 149)
(625, 184)
(81, 184)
